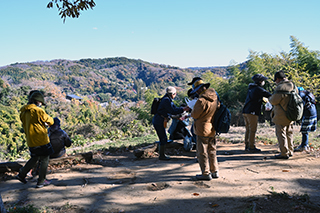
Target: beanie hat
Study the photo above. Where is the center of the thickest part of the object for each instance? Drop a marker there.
(37, 96)
(258, 78)
(56, 121)
(171, 90)
(280, 74)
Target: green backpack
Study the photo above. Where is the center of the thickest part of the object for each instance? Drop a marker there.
(295, 105)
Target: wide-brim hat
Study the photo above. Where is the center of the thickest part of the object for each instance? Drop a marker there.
(194, 80)
(198, 84)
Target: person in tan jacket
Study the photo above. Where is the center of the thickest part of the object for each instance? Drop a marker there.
(203, 112)
(283, 126)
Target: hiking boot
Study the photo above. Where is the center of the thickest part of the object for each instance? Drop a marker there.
(281, 156)
(215, 174)
(22, 180)
(302, 148)
(163, 156)
(254, 150)
(204, 177)
(45, 183)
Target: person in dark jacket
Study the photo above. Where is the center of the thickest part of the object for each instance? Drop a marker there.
(309, 118)
(165, 110)
(59, 139)
(252, 110)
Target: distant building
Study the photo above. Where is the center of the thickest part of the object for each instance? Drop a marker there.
(70, 97)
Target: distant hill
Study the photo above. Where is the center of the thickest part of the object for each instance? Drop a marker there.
(121, 77)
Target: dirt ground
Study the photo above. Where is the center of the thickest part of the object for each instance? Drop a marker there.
(119, 182)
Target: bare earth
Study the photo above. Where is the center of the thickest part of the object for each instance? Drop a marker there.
(118, 182)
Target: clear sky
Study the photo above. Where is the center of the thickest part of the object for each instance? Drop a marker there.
(183, 33)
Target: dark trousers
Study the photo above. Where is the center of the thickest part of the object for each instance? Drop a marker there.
(161, 131)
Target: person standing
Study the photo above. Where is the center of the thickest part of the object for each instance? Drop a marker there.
(203, 112)
(283, 126)
(252, 110)
(34, 120)
(309, 118)
(165, 110)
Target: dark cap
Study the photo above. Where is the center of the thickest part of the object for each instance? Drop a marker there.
(258, 78)
(37, 96)
(194, 80)
(280, 74)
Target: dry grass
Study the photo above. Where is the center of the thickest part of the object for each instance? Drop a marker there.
(266, 134)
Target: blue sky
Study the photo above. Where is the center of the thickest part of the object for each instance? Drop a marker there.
(183, 33)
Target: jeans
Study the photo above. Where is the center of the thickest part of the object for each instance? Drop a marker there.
(161, 131)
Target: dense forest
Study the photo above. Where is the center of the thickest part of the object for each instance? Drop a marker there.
(117, 92)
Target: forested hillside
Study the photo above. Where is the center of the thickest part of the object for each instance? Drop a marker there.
(117, 92)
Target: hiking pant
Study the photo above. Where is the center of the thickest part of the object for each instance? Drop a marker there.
(207, 154)
(160, 130)
(43, 160)
(251, 122)
(285, 138)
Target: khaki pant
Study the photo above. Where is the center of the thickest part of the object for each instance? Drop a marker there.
(251, 122)
(285, 139)
(207, 154)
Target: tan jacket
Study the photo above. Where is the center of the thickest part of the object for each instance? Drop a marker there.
(278, 114)
(203, 112)
(34, 120)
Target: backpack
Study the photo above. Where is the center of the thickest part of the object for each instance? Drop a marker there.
(155, 105)
(295, 105)
(222, 119)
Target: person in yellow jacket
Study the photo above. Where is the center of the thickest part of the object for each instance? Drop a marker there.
(35, 120)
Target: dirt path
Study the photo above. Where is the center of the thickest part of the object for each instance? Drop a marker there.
(121, 183)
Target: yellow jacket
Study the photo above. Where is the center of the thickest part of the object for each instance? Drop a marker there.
(34, 120)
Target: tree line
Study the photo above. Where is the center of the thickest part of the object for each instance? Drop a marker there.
(88, 120)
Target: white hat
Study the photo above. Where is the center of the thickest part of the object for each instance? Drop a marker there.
(171, 90)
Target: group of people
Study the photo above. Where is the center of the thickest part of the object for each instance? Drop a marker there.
(207, 102)
(43, 143)
(202, 113)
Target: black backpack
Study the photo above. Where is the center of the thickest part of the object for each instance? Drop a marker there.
(155, 105)
(222, 119)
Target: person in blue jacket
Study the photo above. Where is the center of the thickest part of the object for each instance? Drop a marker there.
(252, 110)
(309, 118)
(165, 110)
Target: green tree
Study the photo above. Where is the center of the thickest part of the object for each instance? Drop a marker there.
(69, 8)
